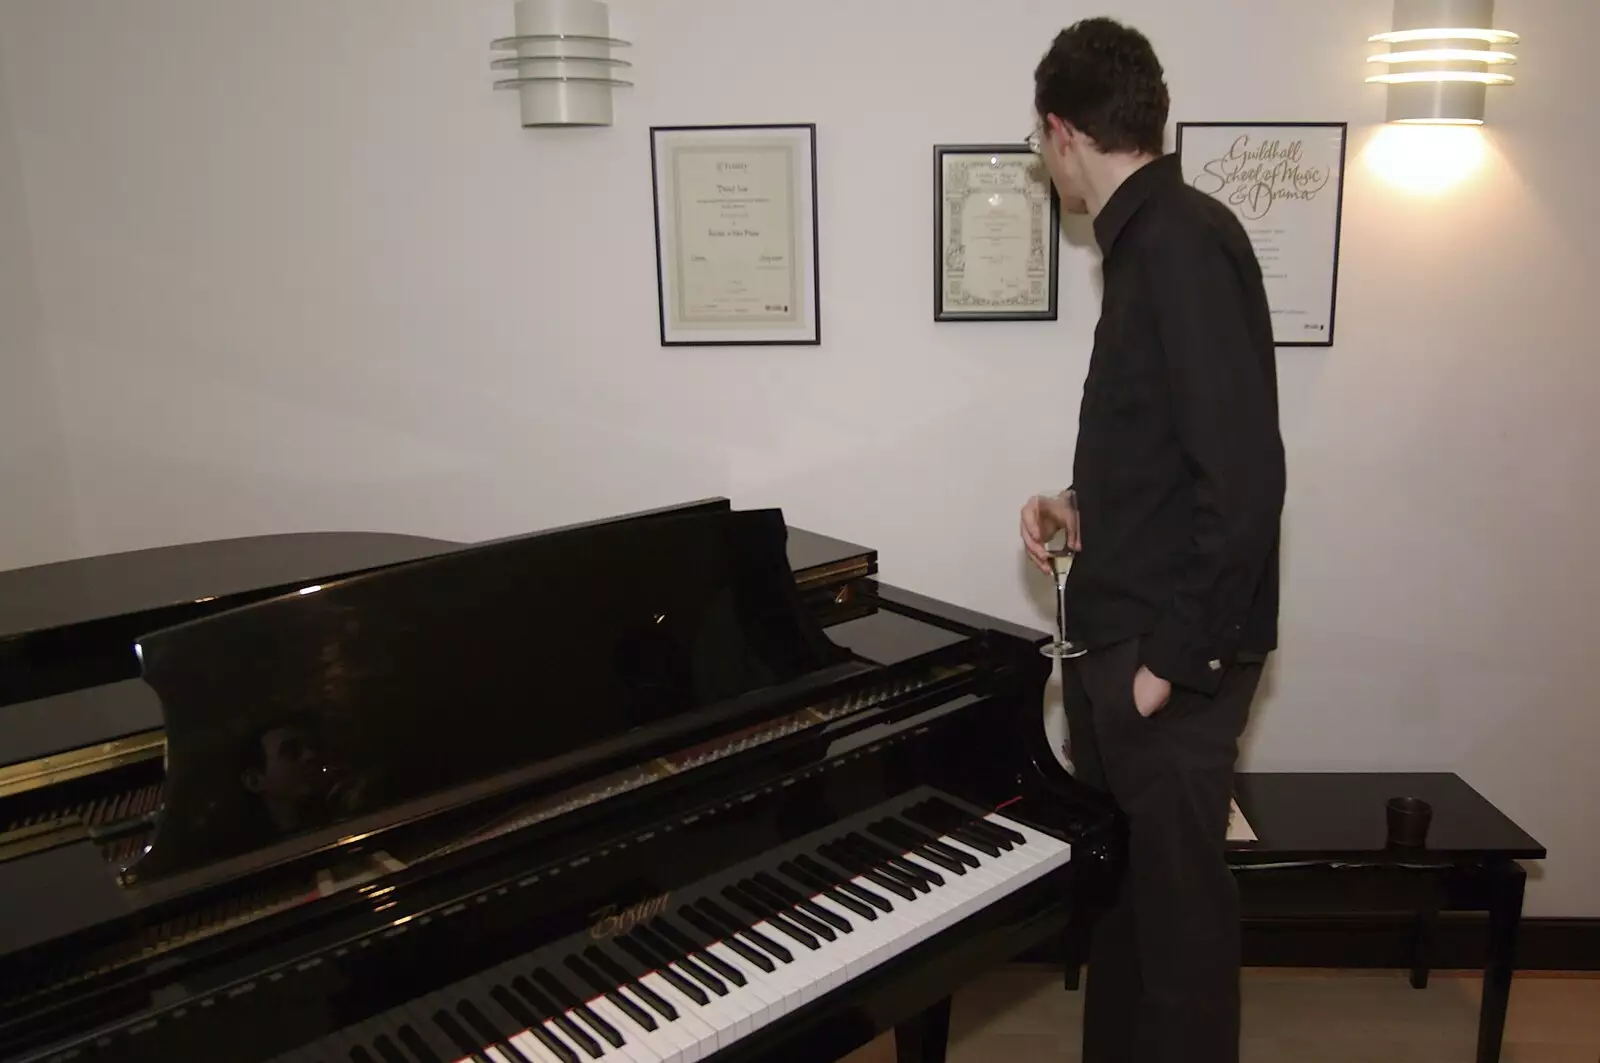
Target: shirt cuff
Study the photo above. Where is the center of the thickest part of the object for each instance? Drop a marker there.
(1185, 656)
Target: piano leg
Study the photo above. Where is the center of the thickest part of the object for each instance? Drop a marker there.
(1073, 948)
(923, 1039)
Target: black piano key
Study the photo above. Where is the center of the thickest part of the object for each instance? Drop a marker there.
(680, 940)
(549, 1011)
(620, 1000)
(889, 831)
(612, 962)
(1004, 837)
(930, 842)
(823, 888)
(761, 910)
(859, 892)
(359, 1054)
(956, 827)
(628, 972)
(522, 1010)
(755, 937)
(485, 1018)
(855, 864)
(976, 842)
(700, 921)
(809, 922)
(881, 868)
(895, 860)
(888, 859)
(564, 995)
(678, 981)
(936, 855)
(1013, 836)
(388, 1051)
(553, 1044)
(471, 1047)
(418, 1029)
(679, 959)
(864, 865)
(805, 904)
(375, 1040)
(418, 1047)
(976, 839)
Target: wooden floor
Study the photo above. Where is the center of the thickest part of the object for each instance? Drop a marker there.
(1021, 1014)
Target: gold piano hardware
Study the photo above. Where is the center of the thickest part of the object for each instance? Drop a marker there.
(608, 922)
(75, 764)
(852, 569)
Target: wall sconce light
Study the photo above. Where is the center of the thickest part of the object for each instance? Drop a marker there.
(562, 67)
(1443, 56)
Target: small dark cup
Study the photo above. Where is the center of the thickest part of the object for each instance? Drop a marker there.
(1408, 821)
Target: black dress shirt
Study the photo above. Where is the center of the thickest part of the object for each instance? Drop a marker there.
(1179, 469)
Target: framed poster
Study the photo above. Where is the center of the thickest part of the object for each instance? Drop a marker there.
(1285, 182)
(736, 234)
(996, 234)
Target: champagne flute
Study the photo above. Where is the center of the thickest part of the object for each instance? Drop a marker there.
(1062, 648)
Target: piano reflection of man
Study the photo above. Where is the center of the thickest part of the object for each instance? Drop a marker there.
(286, 768)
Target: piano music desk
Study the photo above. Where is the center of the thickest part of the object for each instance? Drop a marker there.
(1321, 850)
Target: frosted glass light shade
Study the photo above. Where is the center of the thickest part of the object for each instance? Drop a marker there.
(1443, 56)
(561, 66)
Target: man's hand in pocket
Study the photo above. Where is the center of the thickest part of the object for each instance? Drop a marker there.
(1150, 691)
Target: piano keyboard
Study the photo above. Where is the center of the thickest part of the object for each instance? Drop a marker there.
(716, 961)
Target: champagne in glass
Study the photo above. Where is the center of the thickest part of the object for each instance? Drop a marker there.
(1063, 647)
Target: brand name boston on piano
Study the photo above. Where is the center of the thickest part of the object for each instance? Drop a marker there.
(608, 922)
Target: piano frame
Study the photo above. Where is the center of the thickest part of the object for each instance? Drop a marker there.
(178, 999)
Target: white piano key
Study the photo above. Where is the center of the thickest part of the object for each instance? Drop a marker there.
(764, 997)
(641, 1045)
(698, 1026)
(529, 1046)
(672, 1040)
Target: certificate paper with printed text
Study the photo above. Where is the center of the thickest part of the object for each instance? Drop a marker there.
(735, 235)
(1285, 183)
(997, 236)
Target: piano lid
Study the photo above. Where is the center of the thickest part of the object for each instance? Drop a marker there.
(548, 654)
(86, 589)
(72, 624)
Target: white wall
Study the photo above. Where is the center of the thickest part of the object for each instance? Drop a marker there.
(35, 493)
(299, 268)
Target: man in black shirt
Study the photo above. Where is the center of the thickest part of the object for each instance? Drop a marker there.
(1178, 485)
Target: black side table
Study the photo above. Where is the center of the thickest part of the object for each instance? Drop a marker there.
(1321, 850)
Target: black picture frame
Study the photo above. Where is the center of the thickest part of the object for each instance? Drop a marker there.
(1049, 232)
(806, 217)
(1285, 332)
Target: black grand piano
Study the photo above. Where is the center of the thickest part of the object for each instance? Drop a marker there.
(681, 785)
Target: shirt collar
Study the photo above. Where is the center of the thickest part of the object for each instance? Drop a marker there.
(1158, 173)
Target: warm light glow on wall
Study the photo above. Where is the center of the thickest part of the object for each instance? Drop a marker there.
(1442, 57)
(1426, 160)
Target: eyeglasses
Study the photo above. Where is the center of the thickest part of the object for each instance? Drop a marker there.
(1032, 140)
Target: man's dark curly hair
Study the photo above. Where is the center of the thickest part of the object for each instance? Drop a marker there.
(1104, 79)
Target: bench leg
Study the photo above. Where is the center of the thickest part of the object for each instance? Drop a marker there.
(1505, 914)
(1422, 935)
(924, 1038)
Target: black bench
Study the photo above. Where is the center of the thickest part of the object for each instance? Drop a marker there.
(1321, 850)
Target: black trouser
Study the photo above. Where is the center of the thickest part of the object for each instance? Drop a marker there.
(1163, 976)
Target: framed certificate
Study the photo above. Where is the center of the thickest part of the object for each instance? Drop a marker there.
(736, 234)
(996, 234)
(1285, 182)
